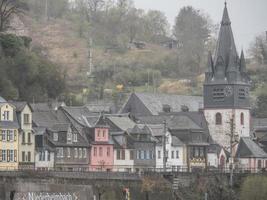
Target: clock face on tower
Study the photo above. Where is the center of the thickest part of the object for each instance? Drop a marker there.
(228, 91)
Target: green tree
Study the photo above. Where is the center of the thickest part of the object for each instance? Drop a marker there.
(192, 30)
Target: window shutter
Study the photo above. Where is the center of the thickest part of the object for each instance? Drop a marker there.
(15, 135)
(8, 155)
(1, 158)
(15, 155)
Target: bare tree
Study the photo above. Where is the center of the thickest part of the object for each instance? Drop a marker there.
(7, 9)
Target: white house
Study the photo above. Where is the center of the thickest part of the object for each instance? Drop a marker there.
(175, 153)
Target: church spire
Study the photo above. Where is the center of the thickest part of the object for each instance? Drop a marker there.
(210, 64)
(226, 49)
(243, 68)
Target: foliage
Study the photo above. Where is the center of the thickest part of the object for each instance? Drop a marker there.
(192, 30)
(25, 75)
(258, 50)
(254, 188)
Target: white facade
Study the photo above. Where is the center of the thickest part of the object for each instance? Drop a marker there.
(44, 160)
(213, 160)
(125, 161)
(26, 137)
(219, 132)
(175, 154)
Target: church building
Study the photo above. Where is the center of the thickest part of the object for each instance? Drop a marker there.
(226, 89)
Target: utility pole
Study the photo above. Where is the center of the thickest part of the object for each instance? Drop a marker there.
(46, 10)
(164, 146)
(232, 142)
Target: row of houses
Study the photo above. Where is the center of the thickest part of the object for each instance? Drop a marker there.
(43, 137)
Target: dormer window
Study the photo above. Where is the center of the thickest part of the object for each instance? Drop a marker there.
(166, 108)
(55, 137)
(6, 115)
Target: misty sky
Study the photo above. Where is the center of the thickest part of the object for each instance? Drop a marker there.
(249, 17)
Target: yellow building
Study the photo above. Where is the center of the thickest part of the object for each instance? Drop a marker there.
(8, 136)
(26, 135)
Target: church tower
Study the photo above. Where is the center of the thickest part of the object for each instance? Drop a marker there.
(226, 88)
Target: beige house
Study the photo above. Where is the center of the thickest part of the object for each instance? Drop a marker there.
(26, 135)
(8, 136)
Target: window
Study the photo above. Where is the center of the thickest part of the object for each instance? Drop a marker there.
(150, 154)
(123, 154)
(159, 154)
(139, 155)
(242, 118)
(55, 137)
(29, 138)
(95, 151)
(75, 137)
(48, 155)
(218, 94)
(8, 135)
(6, 116)
(98, 133)
(29, 156)
(15, 155)
(104, 133)
(172, 154)
(177, 154)
(84, 153)
(100, 151)
(68, 152)
(26, 119)
(23, 156)
(69, 136)
(143, 155)
(23, 137)
(80, 152)
(241, 94)
(11, 155)
(40, 155)
(11, 135)
(201, 152)
(259, 164)
(59, 152)
(118, 154)
(218, 119)
(167, 154)
(43, 156)
(108, 151)
(131, 154)
(4, 155)
(4, 135)
(76, 153)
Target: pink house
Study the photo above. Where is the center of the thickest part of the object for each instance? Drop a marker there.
(101, 158)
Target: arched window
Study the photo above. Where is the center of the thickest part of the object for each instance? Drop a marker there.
(242, 118)
(218, 118)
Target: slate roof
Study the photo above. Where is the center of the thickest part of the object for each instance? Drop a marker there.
(101, 106)
(46, 106)
(156, 129)
(155, 102)
(259, 123)
(20, 105)
(2, 100)
(214, 148)
(60, 127)
(121, 121)
(176, 141)
(44, 118)
(82, 115)
(179, 121)
(249, 149)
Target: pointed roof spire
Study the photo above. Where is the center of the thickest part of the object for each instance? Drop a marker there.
(243, 67)
(210, 63)
(226, 48)
(226, 18)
